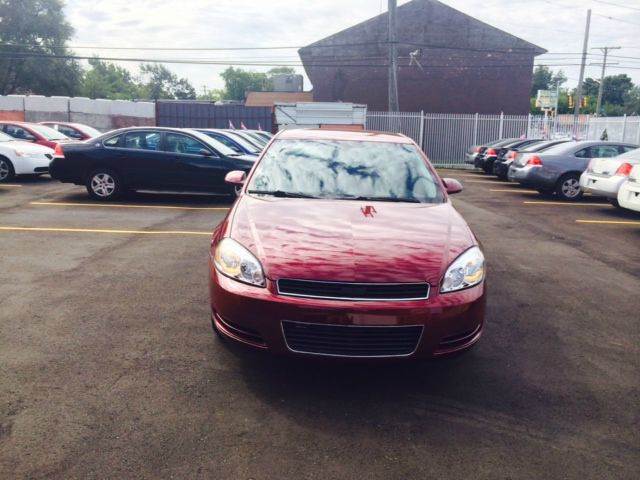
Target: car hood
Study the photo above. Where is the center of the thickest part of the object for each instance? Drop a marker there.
(350, 241)
(27, 147)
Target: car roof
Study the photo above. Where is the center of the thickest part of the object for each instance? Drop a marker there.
(344, 135)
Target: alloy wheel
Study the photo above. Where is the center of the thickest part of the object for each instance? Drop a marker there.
(571, 188)
(4, 170)
(103, 185)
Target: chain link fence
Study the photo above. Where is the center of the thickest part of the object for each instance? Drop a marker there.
(446, 138)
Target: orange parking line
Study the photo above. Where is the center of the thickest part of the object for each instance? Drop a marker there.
(96, 230)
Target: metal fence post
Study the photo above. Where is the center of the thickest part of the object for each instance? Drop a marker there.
(637, 130)
(421, 135)
(624, 126)
(529, 125)
(501, 125)
(475, 128)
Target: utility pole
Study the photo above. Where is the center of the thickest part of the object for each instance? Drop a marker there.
(605, 50)
(393, 58)
(582, 65)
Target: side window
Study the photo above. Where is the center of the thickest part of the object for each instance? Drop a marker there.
(18, 132)
(604, 151)
(584, 153)
(112, 142)
(69, 132)
(142, 140)
(178, 143)
(625, 148)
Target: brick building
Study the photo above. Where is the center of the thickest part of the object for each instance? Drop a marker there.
(461, 65)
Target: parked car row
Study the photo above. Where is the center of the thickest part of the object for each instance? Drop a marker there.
(565, 167)
(28, 149)
(157, 158)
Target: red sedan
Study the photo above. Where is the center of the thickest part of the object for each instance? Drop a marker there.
(77, 131)
(345, 244)
(34, 132)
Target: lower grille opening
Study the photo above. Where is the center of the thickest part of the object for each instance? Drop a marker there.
(244, 333)
(41, 169)
(351, 341)
(457, 340)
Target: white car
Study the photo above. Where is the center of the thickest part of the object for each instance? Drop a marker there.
(22, 158)
(629, 193)
(605, 176)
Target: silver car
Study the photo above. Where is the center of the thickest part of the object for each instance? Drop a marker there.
(605, 176)
(558, 169)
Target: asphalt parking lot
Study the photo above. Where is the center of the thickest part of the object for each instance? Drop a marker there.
(109, 368)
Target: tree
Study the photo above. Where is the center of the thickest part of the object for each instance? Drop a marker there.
(106, 80)
(632, 101)
(615, 87)
(29, 30)
(158, 82)
(545, 79)
(238, 82)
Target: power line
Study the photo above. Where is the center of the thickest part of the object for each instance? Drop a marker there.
(616, 19)
(617, 5)
(26, 55)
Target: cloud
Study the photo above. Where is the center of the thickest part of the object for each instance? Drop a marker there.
(558, 27)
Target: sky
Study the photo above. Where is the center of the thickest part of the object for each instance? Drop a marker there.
(558, 26)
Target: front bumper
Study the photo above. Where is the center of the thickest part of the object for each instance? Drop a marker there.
(629, 196)
(470, 158)
(600, 185)
(535, 176)
(254, 316)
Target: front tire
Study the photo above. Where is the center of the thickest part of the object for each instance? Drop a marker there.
(7, 173)
(568, 187)
(104, 184)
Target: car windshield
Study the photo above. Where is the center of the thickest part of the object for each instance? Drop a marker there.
(541, 146)
(630, 155)
(48, 132)
(346, 170)
(90, 131)
(565, 148)
(6, 138)
(217, 145)
(246, 145)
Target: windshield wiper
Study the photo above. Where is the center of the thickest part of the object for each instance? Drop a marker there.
(281, 193)
(383, 199)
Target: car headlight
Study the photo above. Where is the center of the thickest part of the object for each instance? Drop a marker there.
(466, 271)
(235, 261)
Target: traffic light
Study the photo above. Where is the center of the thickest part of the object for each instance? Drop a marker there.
(585, 102)
(571, 104)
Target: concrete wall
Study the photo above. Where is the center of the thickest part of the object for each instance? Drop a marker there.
(104, 115)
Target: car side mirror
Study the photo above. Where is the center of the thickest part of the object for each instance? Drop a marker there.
(205, 153)
(235, 177)
(452, 185)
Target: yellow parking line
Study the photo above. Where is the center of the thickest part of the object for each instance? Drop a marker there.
(96, 230)
(568, 204)
(610, 222)
(10, 185)
(512, 190)
(112, 205)
(485, 181)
